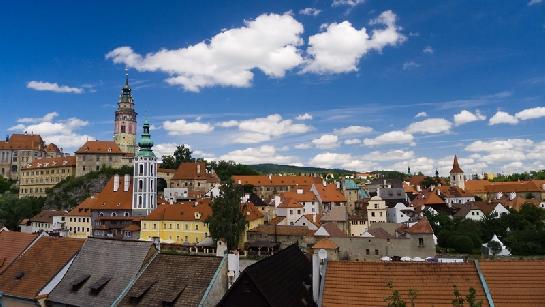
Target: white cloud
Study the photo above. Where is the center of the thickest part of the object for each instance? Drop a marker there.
(410, 65)
(428, 50)
(421, 114)
(265, 128)
(165, 149)
(268, 43)
(534, 2)
(330, 159)
(392, 137)
(310, 11)
(531, 113)
(303, 146)
(419, 164)
(305, 116)
(503, 118)
(353, 130)
(350, 3)
(352, 141)
(61, 132)
(227, 124)
(499, 145)
(53, 87)
(183, 127)
(339, 48)
(257, 155)
(389, 155)
(466, 116)
(326, 141)
(430, 126)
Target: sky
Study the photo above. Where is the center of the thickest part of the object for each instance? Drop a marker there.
(355, 84)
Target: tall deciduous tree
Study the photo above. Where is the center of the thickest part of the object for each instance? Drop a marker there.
(181, 154)
(227, 221)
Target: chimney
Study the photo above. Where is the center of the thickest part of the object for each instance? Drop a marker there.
(418, 188)
(512, 195)
(314, 218)
(233, 268)
(499, 195)
(127, 183)
(270, 176)
(315, 277)
(198, 168)
(324, 183)
(299, 191)
(116, 182)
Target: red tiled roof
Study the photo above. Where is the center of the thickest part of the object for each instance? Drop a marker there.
(108, 199)
(276, 180)
(184, 211)
(250, 211)
(330, 193)
(194, 171)
(421, 227)
(518, 187)
(306, 196)
(37, 266)
(100, 147)
(84, 208)
(515, 283)
(349, 283)
(46, 216)
(427, 198)
(452, 191)
(12, 244)
(290, 203)
(325, 244)
(333, 230)
(43, 163)
(416, 180)
(283, 230)
(23, 141)
(51, 147)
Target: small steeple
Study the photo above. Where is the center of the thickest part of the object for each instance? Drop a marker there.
(456, 167)
(126, 77)
(409, 169)
(436, 174)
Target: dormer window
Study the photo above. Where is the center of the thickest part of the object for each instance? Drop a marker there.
(197, 215)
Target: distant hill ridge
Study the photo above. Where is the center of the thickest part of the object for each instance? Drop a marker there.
(270, 168)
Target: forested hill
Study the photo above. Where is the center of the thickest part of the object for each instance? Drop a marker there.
(270, 168)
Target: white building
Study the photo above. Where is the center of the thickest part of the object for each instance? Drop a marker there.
(144, 198)
(503, 252)
(376, 210)
(400, 213)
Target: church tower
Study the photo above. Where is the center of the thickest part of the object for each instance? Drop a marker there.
(125, 120)
(457, 175)
(144, 198)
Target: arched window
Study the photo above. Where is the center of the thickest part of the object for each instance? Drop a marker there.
(139, 201)
(114, 214)
(151, 170)
(141, 170)
(126, 214)
(140, 185)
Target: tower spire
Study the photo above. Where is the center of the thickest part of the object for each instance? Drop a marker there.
(126, 76)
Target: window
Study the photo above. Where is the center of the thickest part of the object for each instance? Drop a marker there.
(196, 227)
(420, 242)
(144, 224)
(367, 251)
(372, 213)
(376, 251)
(298, 211)
(177, 226)
(291, 211)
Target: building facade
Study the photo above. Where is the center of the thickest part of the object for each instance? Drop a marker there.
(94, 155)
(376, 210)
(457, 175)
(195, 177)
(17, 151)
(125, 121)
(44, 173)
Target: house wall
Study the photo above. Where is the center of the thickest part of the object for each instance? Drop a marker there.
(192, 185)
(15, 302)
(89, 162)
(176, 231)
(78, 226)
(218, 286)
(358, 228)
(355, 248)
(35, 182)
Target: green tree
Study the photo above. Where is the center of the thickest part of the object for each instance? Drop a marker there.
(470, 298)
(181, 154)
(395, 299)
(495, 247)
(14, 209)
(227, 221)
(226, 169)
(169, 162)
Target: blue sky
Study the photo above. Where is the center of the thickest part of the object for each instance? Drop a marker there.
(345, 83)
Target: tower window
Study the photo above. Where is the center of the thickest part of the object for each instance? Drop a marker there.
(123, 129)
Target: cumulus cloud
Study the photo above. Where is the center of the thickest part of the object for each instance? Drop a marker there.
(310, 11)
(53, 87)
(392, 137)
(268, 43)
(62, 132)
(498, 145)
(326, 141)
(503, 118)
(303, 146)
(330, 159)
(428, 50)
(165, 149)
(227, 124)
(352, 141)
(304, 116)
(421, 114)
(257, 155)
(534, 2)
(266, 128)
(531, 113)
(391, 155)
(430, 126)
(183, 127)
(353, 130)
(466, 116)
(339, 48)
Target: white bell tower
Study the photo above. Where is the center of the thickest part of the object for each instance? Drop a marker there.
(144, 198)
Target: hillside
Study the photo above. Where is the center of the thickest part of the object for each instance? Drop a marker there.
(270, 168)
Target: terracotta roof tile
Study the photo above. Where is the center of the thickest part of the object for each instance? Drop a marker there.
(51, 147)
(333, 230)
(251, 213)
(515, 283)
(84, 208)
(421, 227)
(12, 244)
(427, 198)
(110, 199)
(305, 196)
(194, 171)
(46, 216)
(455, 166)
(184, 211)
(37, 266)
(350, 283)
(330, 193)
(99, 147)
(23, 141)
(43, 163)
(325, 244)
(276, 180)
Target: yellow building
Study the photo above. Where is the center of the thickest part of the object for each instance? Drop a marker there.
(78, 220)
(44, 173)
(178, 223)
(253, 217)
